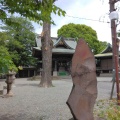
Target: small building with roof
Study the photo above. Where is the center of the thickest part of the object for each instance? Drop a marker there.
(104, 60)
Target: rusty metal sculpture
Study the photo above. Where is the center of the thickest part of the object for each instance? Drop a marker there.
(84, 91)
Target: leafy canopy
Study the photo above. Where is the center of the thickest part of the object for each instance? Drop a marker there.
(81, 31)
(35, 10)
(6, 63)
(21, 40)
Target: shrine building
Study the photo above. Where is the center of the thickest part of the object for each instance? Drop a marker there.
(62, 52)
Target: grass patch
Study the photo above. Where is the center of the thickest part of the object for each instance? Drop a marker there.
(107, 109)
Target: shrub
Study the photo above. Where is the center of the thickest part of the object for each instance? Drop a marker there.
(6, 63)
(107, 109)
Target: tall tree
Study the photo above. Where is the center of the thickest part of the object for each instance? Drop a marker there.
(46, 80)
(6, 62)
(81, 31)
(38, 11)
(21, 40)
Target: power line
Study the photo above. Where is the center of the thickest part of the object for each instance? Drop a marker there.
(87, 19)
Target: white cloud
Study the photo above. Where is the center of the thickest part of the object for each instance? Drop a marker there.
(91, 9)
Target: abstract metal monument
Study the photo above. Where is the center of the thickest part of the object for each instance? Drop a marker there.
(84, 91)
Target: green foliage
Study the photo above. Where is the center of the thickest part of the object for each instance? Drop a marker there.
(102, 45)
(81, 31)
(3, 38)
(21, 40)
(36, 10)
(107, 109)
(6, 63)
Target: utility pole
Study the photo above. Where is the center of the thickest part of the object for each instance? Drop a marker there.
(115, 48)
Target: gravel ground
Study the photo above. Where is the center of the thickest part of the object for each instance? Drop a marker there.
(30, 102)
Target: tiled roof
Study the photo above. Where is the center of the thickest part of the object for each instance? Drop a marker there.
(70, 43)
(58, 50)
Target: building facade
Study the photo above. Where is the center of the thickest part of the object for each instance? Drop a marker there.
(104, 60)
(62, 52)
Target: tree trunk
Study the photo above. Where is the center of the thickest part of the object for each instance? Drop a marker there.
(46, 79)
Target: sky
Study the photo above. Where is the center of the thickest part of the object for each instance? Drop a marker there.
(89, 9)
